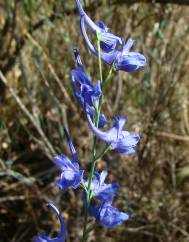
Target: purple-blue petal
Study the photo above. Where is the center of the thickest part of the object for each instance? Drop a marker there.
(80, 8)
(130, 62)
(102, 25)
(78, 179)
(71, 146)
(103, 176)
(78, 59)
(71, 176)
(122, 141)
(126, 48)
(91, 94)
(107, 192)
(102, 121)
(85, 36)
(119, 123)
(111, 217)
(63, 162)
(100, 189)
(107, 215)
(79, 75)
(127, 143)
(108, 136)
(63, 184)
(70, 179)
(109, 41)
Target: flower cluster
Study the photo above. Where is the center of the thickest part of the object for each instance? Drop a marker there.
(105, 213)
(87, 95)
(114, 51)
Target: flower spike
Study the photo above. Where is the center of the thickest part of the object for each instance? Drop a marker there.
(62, 234)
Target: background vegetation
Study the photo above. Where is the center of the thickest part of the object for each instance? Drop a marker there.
(36, 41)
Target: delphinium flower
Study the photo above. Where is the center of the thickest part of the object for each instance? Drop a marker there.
(85, 92)
(62, 234)
(109, 41)
(114, 51)
(120, 140)
(105, 213)
(71, 176)
(100, 189)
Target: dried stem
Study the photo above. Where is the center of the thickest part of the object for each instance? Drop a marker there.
(28, 114)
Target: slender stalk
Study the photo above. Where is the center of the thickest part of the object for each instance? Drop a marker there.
(94, 153)
(45, 140)
(106, 149)
(98, 109)
(108, 77)
(99, 58)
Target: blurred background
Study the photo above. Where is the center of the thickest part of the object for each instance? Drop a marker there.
(36, 101)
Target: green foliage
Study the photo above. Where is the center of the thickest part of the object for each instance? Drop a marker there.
(30, 6)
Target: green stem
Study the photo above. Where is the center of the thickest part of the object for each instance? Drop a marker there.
(94, 154)
(94, 160)
(99, 58)
(98, 109)
(108, 77)
(106, 149)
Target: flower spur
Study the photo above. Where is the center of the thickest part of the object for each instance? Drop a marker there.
(62, 234)
(114, 50)
(122, 141)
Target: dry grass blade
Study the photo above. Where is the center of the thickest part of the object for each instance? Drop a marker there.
(30, 117)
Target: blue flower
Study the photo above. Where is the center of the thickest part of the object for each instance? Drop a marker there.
(107, 215)
(108, 40)
(100, 189)
(127, 60)
(88, 93)
(120, 140)
(84, 91)
(114, 50)
(62, 234)
(71, 176)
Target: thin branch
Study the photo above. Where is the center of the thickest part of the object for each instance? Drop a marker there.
(173, 136)
(51, 68)
(27, 113)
